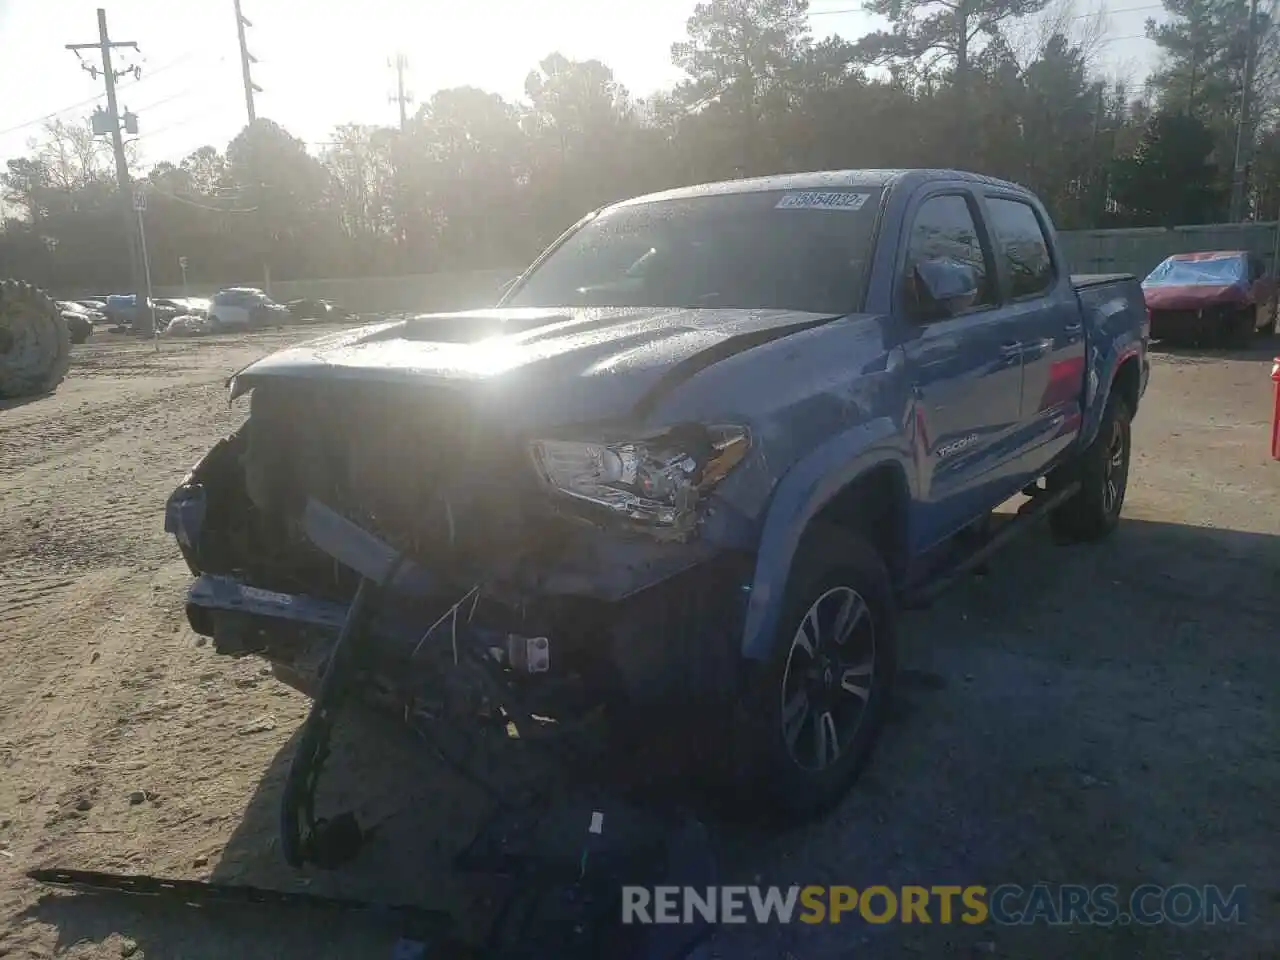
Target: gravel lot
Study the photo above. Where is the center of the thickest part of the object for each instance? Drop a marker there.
(1084, 715)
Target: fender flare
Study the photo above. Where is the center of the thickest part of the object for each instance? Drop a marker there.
(801, 494)
(1101, 378)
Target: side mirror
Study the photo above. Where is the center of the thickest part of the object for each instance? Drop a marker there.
(943, 288)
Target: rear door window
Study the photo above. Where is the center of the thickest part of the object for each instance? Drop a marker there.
(1022, 246)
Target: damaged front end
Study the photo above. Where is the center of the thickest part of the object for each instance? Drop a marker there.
(573, 565)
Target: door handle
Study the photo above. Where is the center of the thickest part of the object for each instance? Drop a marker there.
(1038, 349)
(1073, 329)
(1009, 350)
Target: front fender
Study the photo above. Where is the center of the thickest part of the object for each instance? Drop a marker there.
(801, 494)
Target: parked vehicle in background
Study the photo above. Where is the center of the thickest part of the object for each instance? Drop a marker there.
(246, 307)
(309, 309)
(232, 307)
(686, 471)
(79, 320)
(167, 304)
(119, 308)
(122, 309)
(270, 314)
(1221, 296)
(190, 325)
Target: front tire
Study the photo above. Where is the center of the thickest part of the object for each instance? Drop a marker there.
(1103, 472)
(818, 705)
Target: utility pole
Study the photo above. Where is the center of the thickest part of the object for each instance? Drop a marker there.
(246, 58)
(1195, 61)
(400, 97)
(1244, 129)
(143, 321)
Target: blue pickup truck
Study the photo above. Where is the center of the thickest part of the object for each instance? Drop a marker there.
(683, 475)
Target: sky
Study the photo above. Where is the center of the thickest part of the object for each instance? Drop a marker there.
(326, 62)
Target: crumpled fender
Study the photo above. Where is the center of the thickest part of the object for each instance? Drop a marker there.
(1105, 358)
(798, 497)
(1197, 296)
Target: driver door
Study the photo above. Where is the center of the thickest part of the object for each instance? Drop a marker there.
(965, 371)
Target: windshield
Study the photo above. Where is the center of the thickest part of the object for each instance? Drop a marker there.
(795, 250)
(1225, 270)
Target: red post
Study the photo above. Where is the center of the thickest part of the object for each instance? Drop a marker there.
(1275, 414)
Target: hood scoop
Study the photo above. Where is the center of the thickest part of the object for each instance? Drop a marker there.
(472, 327)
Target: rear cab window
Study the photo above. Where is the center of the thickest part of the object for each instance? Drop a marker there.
(1022, 247)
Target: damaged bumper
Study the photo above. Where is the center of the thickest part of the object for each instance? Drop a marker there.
(211, 596)
(631, 619)
(1181, 322)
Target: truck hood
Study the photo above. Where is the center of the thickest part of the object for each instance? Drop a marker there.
(600, 361)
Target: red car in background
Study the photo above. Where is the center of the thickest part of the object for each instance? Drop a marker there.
(1219, 296)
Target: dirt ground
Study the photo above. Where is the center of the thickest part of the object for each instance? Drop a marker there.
(1083, 715)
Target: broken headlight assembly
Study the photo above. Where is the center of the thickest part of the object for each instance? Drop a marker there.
(653, 482)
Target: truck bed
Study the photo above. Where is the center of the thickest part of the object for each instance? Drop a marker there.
(1084, 280)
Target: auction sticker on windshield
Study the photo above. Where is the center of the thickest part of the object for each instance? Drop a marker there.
(824, 200)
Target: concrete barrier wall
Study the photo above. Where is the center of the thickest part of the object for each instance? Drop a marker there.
(1139, 250)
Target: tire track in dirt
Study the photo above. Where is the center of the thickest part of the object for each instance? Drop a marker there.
(24, 445)
(119, 466)
(103, 693)
(60, 658)
(84, 477)
(22, 595)
(60, 696)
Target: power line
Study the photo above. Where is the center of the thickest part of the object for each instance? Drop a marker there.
(199, 206)
(180, 94)
(96, 98)
(190, 118)
(49, 116)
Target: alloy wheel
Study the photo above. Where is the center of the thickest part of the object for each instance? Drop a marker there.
(827, 683)
(1115, 470)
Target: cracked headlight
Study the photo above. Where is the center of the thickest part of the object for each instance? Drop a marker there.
(654, 481)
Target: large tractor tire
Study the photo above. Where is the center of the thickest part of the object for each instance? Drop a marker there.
(35, 344)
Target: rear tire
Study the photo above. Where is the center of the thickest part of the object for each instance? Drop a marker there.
(1103, 471)
(812, 714)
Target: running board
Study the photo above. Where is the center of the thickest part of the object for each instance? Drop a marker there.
(1029, 514)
